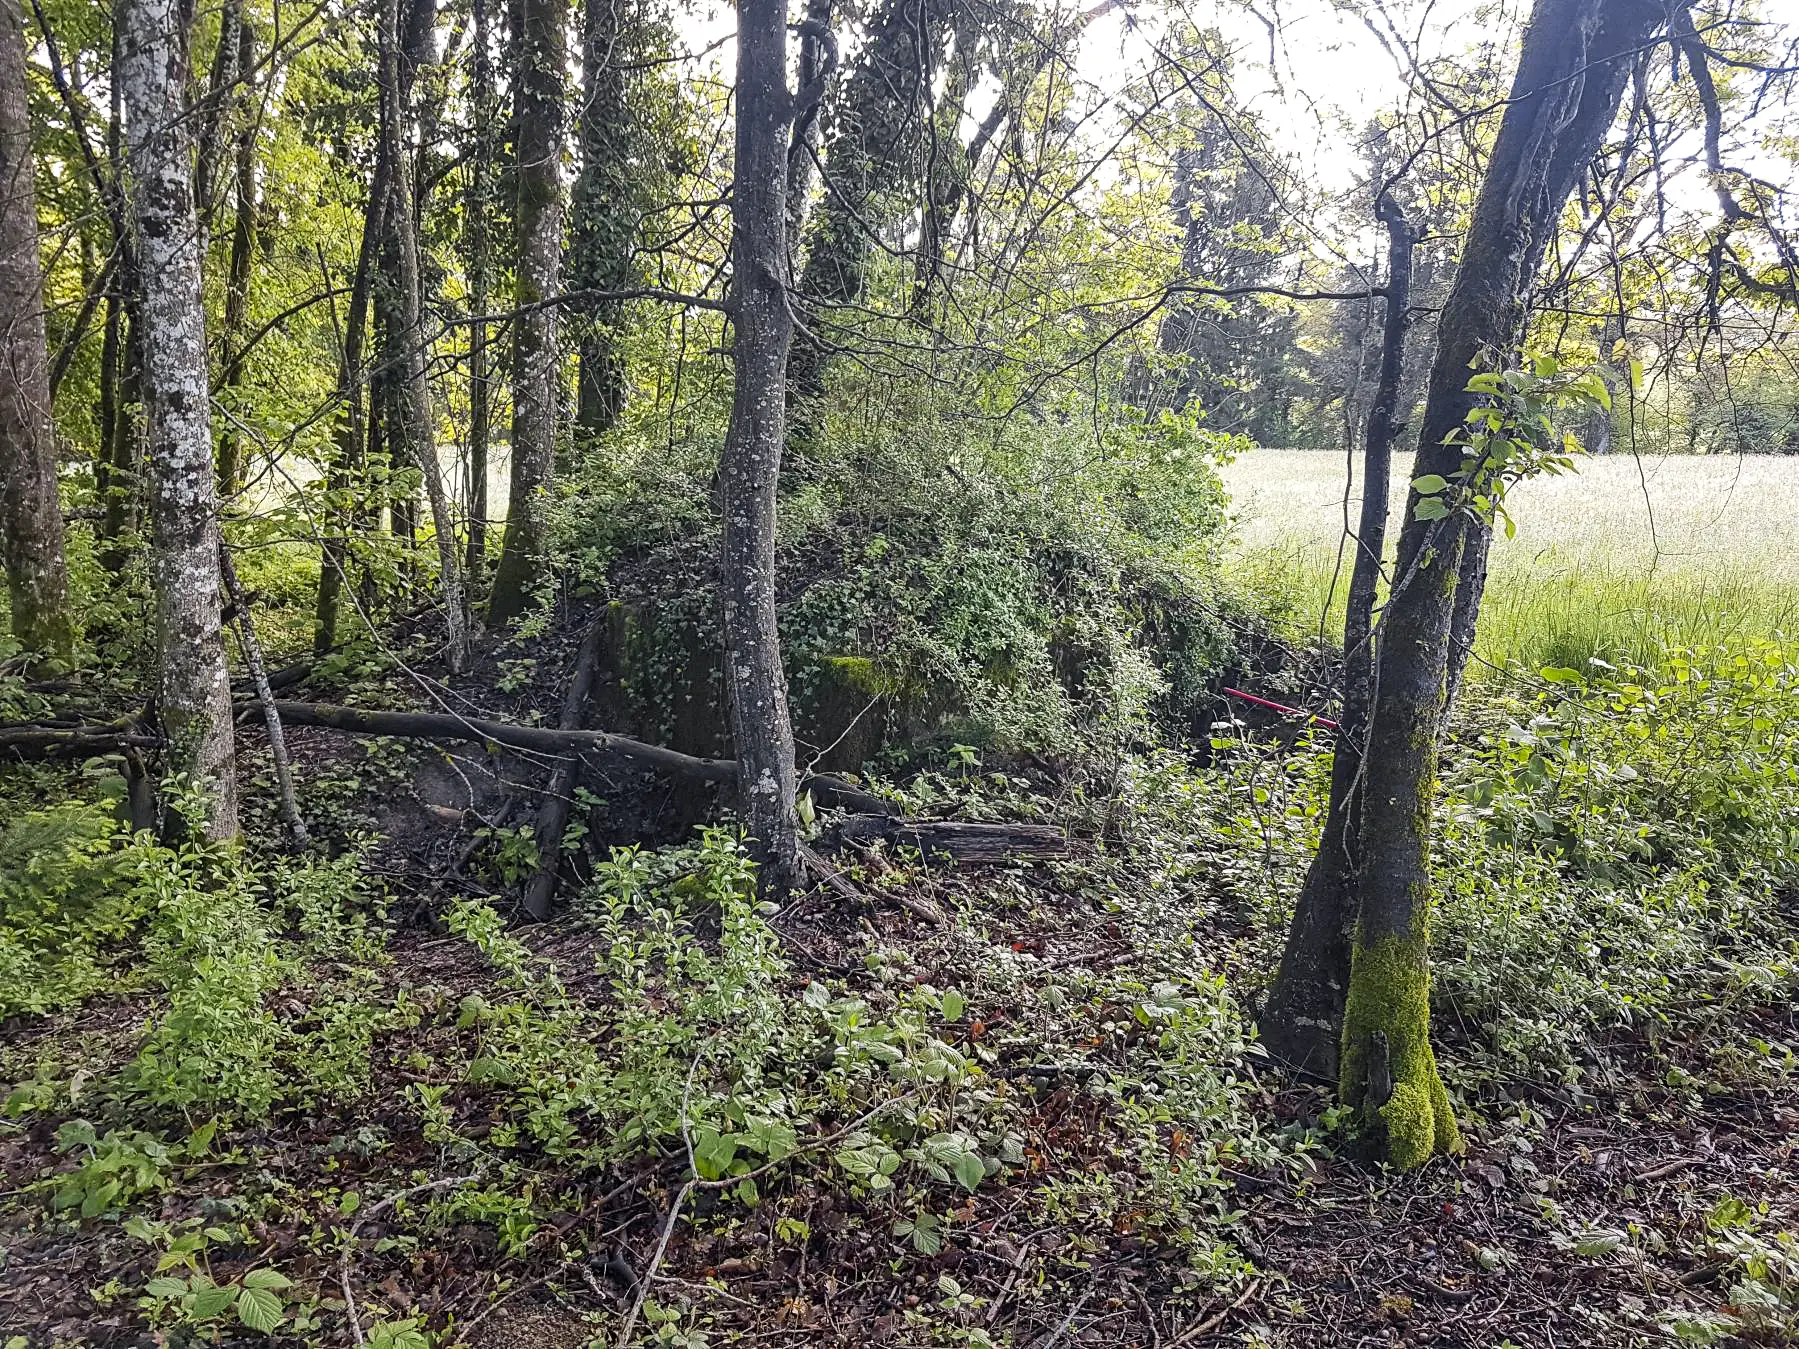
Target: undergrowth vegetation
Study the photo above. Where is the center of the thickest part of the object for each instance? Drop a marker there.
(1618, 865)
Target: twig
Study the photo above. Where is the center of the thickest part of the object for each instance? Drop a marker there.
(259, 680)
(643, 1284)
(1149, 1318)
(1211, 1323)
(343, 1261)
(1055, 1336)
(1024, 1249)
(1667, 1169)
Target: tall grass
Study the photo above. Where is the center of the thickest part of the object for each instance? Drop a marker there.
(1618, 560)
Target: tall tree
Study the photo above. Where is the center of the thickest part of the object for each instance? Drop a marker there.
(241, 260)
(876, 147)
(604, 213)
(1575, 59)
(193, 687)
(539, 35)
(1303, 1019)
(412, 426)
(478, 262)
(353, 417)
(31, 525)
(750, 466)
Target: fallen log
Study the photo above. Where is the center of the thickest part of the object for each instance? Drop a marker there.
(56, 742)
(961, 840)
(827, 790)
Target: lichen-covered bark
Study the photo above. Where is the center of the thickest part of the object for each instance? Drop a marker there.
(750, 465)
(193, 688)
(1303, 1021)
(538, 212)
(31, 525)
(1571, 73)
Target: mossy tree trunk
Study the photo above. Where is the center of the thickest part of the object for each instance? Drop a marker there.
(605, 211)
(240, 264)
(1303, 1021)
(346, 459)
(1576, 57)
(478, 263)
(414, 422)
(881, 127)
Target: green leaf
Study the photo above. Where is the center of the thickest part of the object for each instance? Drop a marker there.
(970, 1171)
(99, 1198)
(165, 1287)
(267, 1278)
(259, 1309)
(213, 1299)
(1431, 508)
(713, 1153)
(201, 1139)
(1599, 1241)
(1429, 484)
(953, 1005)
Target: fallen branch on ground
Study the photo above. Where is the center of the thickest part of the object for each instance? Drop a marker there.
(960, 839)
(827, 790)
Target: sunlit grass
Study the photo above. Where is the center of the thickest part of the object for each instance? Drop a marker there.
(1618, 560)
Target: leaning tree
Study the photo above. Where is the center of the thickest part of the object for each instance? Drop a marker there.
(1576, 58)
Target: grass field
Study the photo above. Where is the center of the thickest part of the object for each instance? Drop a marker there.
(1621, 559)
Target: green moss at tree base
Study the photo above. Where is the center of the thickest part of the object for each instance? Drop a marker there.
(1389, 1071)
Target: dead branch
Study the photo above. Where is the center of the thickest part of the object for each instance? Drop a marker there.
(828, 790)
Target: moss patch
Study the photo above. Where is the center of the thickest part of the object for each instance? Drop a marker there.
(1389, 1070)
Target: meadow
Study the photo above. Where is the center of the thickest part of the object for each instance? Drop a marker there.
(1619, 559)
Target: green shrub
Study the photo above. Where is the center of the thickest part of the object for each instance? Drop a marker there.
(1616, 848)
(1040, 588)
(68, 897)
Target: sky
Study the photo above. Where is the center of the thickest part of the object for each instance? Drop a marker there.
(1316, 71)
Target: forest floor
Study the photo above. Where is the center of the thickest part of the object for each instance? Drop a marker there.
(1572, 1220)
(447, 1160)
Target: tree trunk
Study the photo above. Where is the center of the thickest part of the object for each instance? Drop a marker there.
(194, 690)
(536, 364)
(750, 465)
(876, 148)
(816, 55)
(478, 248)
(31, 525)
(237, 269)
(347, 452)
(1303, 1020)
(412, 384)
(1566, 91)
(604, 215)
(117, 471)
(1470, 589)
